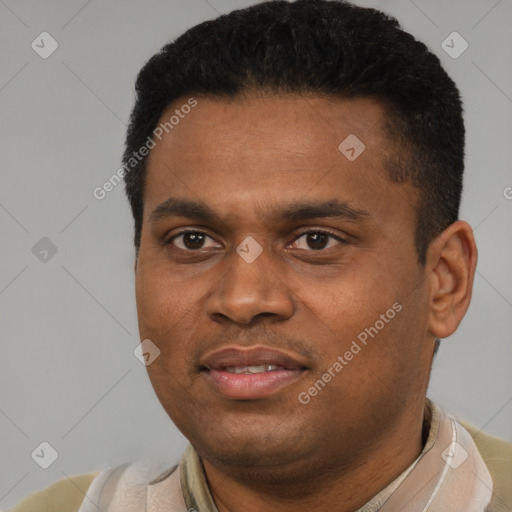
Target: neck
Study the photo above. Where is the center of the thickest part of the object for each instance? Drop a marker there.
(344, 488)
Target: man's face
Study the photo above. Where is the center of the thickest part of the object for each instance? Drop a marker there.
(298, 257)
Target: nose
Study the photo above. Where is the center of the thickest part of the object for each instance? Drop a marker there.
(250, 290)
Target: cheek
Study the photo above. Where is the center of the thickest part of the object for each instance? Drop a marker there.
(171, 313)
(349, 305)
(371, 320)
(161, 305)
(163, 310)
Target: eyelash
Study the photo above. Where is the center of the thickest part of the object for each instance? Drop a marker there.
(299, 235)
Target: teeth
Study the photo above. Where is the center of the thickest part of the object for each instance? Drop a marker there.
(253, 369)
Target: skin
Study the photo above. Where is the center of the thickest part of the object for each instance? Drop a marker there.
(246, 159)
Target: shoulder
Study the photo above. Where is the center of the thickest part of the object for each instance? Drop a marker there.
(65, 495)
(115, 483)
(497, 455)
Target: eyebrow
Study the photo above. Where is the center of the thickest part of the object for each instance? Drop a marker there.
(296, 211)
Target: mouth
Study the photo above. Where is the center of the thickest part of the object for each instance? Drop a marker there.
(248, 374)
(251, 370)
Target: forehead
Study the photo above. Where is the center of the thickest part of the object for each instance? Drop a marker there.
(289, 126)
(240, 153)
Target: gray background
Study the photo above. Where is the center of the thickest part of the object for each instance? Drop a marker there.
(68, 375)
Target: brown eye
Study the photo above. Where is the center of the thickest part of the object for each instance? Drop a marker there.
(193, 240)
(317, 240)
(190, 240)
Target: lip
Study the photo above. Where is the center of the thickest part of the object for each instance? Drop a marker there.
(251, 386)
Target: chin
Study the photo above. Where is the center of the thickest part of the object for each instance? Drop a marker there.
(256, 442)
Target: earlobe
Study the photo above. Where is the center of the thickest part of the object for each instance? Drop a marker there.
(451, 260)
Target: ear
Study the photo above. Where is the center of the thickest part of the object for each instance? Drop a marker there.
(451, 259)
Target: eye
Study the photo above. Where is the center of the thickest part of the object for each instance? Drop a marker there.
(318, 240)
(190, 240)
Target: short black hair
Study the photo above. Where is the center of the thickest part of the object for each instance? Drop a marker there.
(328, 48)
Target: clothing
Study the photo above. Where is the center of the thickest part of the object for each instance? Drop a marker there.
(442, 479)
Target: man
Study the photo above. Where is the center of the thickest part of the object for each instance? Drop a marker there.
(295, 173)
